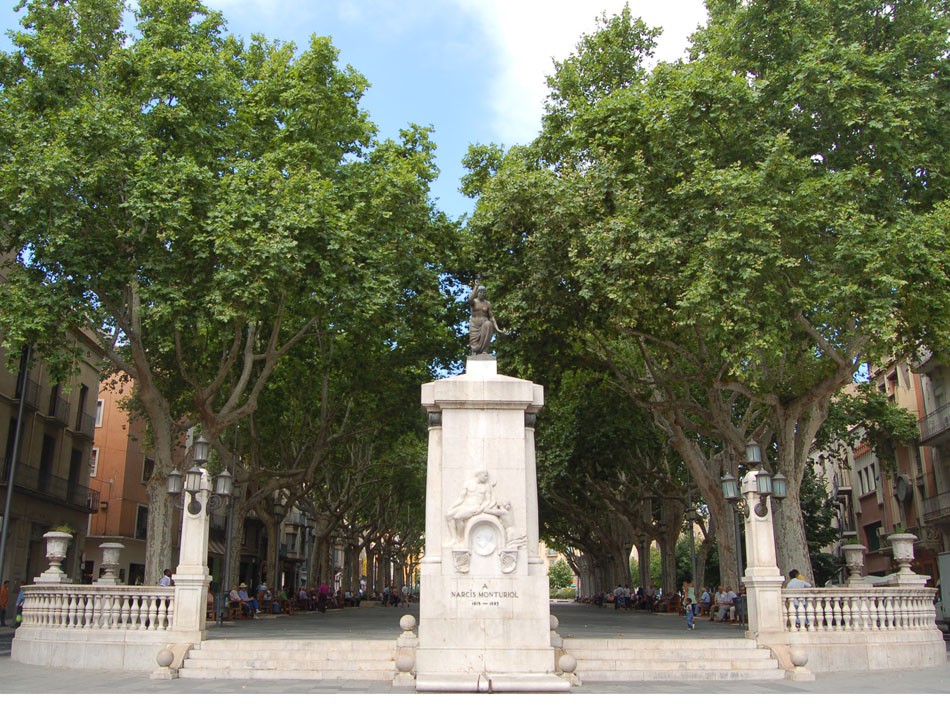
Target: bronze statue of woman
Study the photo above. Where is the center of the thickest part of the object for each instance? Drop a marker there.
(482, 325)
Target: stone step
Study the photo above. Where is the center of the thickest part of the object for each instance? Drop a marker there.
(675, 665)
(672, 660)
(668, 655)
(315, 655)
(598, 660)
(292, 664)
(286, 674)
(304, 659)
(664, 644)
(685, 676)
(297, 644)
(270, 664)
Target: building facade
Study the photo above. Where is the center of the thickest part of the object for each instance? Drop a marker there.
(54, 444)
(118, 472)
(909, 490)
(934, 427)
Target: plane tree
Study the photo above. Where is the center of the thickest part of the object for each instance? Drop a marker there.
(736, 233)
(198, 203)
(607, 482)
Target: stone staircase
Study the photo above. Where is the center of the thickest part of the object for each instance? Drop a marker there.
(300, 659)
(603, 660)
(598, 660)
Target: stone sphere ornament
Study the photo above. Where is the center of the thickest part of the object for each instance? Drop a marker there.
(407, 622)
(567, 663)
(165, 658)
(799, 657)
(405, 663)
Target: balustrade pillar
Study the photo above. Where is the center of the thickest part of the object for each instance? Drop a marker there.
(762, 579)
(192, 577)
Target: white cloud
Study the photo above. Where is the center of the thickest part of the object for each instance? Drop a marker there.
(530, 33)
(522, 37)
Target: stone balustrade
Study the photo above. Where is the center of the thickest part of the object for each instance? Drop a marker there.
(846, 609)
(84, 607)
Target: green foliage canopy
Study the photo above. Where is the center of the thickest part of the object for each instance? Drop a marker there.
(757, 220)
(202, 205)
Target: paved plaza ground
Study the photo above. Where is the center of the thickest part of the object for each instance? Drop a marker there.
(579, 621)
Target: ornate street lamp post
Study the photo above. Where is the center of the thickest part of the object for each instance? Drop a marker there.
(191, 576)
(762, 577)
(279, 511)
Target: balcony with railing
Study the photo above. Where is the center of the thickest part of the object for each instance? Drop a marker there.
(50, 487)
(86, 424)
(32, 390)
(936, 508)
(59, 409)
(841, 485)
(935, 427)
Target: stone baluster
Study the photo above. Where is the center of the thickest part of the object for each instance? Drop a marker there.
(152, 614)
(58, 610)
(125, 614)
(837, 613)
(852, 612)
(822, 606)
(72, 606)
(135, 612)
(87, 614)
(108, 612)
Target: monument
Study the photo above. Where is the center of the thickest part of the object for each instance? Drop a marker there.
(484, 620)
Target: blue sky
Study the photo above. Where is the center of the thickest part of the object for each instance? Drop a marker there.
(474, 70)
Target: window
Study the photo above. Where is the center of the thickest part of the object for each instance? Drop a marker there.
(94, 463)
(148, 467)
(141, 523)
(8, 453)
(53, 399)
(83, 397)
(47, 456)
(868, 478)
(872, 533)
(99, 409)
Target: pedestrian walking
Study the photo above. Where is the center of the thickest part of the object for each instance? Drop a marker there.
(4, 600)
(20, 599)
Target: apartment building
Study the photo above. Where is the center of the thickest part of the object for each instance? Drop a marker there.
(875, 500)
(119, 469)
(934, 427)
(54, 440)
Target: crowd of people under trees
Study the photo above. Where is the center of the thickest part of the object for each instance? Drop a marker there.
(318, 598)
(722, 605)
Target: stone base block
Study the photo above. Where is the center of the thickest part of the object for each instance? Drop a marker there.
(93, 649)
(862, 651)
(492, 683)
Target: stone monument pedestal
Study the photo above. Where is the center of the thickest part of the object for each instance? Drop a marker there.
(484, 621)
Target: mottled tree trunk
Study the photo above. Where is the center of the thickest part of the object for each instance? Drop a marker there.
(321, 566)
(238, 516)
(643, 562)
(161, 517)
